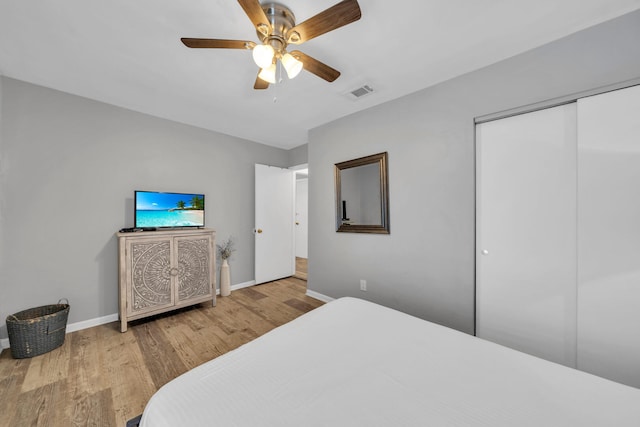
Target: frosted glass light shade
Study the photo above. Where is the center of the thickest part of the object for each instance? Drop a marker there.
(263, 55)
(268, 74)
(292, 65)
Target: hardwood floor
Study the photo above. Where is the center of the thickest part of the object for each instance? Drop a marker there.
(301, 268)
(101, 377)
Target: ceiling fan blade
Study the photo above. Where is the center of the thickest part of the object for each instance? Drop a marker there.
(316, 67)
(336, 16)
(217, 43)
(254, 11)
(260, 84)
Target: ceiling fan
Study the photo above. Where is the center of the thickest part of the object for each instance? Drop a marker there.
(276, 28)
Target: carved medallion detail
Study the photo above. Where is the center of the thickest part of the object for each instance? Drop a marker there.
(193, 268)
(151, 274)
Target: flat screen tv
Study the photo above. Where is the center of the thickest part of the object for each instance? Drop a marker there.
(167, 210)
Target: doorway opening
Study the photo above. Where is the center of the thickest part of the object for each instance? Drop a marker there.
(301, 220)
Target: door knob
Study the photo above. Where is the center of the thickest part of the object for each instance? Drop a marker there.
(259, 230)
(485, 252)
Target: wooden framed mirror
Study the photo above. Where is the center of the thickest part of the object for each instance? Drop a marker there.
(362, 195)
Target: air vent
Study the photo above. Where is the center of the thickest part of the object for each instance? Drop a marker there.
(360, 92)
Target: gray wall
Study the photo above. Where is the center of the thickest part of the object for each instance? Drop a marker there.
(298, 155)
(68, 169)
(426, 265)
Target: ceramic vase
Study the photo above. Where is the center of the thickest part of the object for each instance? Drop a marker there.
(225, 279)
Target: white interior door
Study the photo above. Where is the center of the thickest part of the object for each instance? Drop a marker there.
(274, 223)
(526, 233)
(609, 235)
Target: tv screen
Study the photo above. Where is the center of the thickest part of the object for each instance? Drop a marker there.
(156, 209)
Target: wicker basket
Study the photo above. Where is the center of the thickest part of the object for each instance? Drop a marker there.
(37, 330)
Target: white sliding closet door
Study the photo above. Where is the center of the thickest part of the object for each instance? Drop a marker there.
(609, 235)
(526, 233)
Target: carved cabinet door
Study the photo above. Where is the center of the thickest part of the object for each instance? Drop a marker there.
(194, 266)
(151, 273)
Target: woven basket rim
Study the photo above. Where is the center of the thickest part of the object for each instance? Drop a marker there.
(19, 316)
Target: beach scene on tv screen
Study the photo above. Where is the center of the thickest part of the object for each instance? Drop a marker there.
(169, 210)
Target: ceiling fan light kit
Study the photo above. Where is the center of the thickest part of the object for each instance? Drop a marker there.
(263, 55)
(276, 28)
(268, 74)
(292, 65)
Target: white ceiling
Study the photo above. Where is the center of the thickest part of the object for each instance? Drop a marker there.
(128, 53)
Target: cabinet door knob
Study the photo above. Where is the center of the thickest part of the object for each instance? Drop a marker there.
(259, 230)
(485, 252)
(174, 271)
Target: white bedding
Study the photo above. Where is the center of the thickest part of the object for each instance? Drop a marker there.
(355, 363)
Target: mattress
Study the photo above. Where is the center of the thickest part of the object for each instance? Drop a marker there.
(356, 363)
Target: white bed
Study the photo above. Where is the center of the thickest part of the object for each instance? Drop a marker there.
(355, 363)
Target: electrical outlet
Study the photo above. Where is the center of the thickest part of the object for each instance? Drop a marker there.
(363, 285)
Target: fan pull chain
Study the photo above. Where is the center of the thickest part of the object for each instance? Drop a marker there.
(278, 81)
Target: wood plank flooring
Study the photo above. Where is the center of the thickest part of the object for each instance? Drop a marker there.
(101, 377)
(301, 268)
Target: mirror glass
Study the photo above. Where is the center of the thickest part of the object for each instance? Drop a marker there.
(362, 195)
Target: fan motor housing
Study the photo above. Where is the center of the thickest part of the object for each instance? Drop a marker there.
(282, 20)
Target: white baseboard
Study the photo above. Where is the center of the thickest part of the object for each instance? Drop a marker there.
(4, 343)
(239, 286)
(243, 285)
(85, 324)
(319, 296)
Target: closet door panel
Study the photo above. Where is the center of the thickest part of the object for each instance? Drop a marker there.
(526, 233)
(609, 235)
